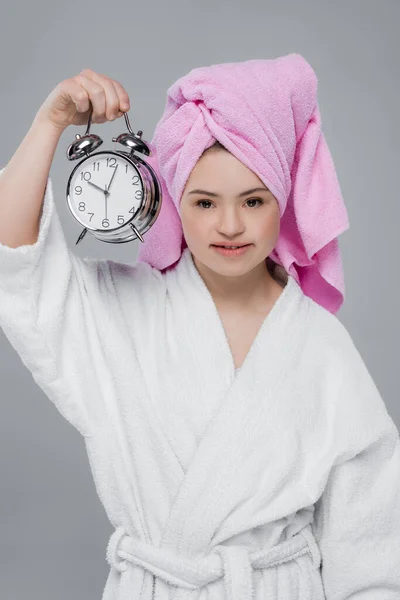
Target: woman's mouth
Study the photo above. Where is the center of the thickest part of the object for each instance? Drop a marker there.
(231, 251)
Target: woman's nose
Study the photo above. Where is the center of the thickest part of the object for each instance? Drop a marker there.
(230, 223)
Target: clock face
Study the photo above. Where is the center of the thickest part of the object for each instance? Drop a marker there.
(104, 172)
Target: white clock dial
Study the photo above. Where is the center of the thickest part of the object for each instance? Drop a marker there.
(95, 209)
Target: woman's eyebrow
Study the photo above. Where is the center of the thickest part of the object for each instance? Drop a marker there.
(245, 193)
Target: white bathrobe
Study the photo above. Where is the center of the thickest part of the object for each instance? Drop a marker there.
(281, 482)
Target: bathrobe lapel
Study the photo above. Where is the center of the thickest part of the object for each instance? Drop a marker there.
(249, 424)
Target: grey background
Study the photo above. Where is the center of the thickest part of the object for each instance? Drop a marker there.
(54, 530)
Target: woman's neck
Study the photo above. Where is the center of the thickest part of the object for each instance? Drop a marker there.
(253, 289)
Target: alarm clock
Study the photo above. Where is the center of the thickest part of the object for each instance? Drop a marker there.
(114, 194)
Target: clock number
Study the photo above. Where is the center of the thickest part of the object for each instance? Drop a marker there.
(132, 210)
(105, 221)
(94, 166)
(135, 179)
(86, 176)
(78, 190)
(120, 217)
(83, 206)
(92, 215)
(138, 194)
(110, 163)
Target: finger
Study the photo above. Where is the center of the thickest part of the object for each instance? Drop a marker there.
(119, 111)
(112, 98)
(122, 93)
(97, 97)
(70, 90)
(124, 101)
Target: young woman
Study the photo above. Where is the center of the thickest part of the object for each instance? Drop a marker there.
(238, 443)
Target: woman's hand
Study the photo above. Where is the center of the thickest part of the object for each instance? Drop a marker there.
(70, 101)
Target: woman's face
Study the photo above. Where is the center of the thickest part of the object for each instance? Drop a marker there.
(230, 218)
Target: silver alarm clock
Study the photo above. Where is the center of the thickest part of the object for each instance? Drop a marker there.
(114, 194)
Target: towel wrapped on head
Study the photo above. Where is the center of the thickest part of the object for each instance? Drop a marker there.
(265, 112)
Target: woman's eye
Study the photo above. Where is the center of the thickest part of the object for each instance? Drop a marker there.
(256, 199)
(201, 202)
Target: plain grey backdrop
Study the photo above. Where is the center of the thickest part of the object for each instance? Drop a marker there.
(54, 530)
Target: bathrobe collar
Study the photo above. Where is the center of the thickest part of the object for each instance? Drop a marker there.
(241, 417)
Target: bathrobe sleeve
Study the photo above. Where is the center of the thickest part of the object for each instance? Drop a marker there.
(45, 315)
(357, 517)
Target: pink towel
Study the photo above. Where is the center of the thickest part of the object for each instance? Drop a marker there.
(265, 112)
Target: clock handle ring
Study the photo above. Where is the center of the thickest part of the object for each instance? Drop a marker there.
(89, 124)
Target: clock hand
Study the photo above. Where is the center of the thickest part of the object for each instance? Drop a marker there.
(96, 186)
(112, 177)
(105, 199)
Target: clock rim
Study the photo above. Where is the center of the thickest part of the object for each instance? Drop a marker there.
(120, 154)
